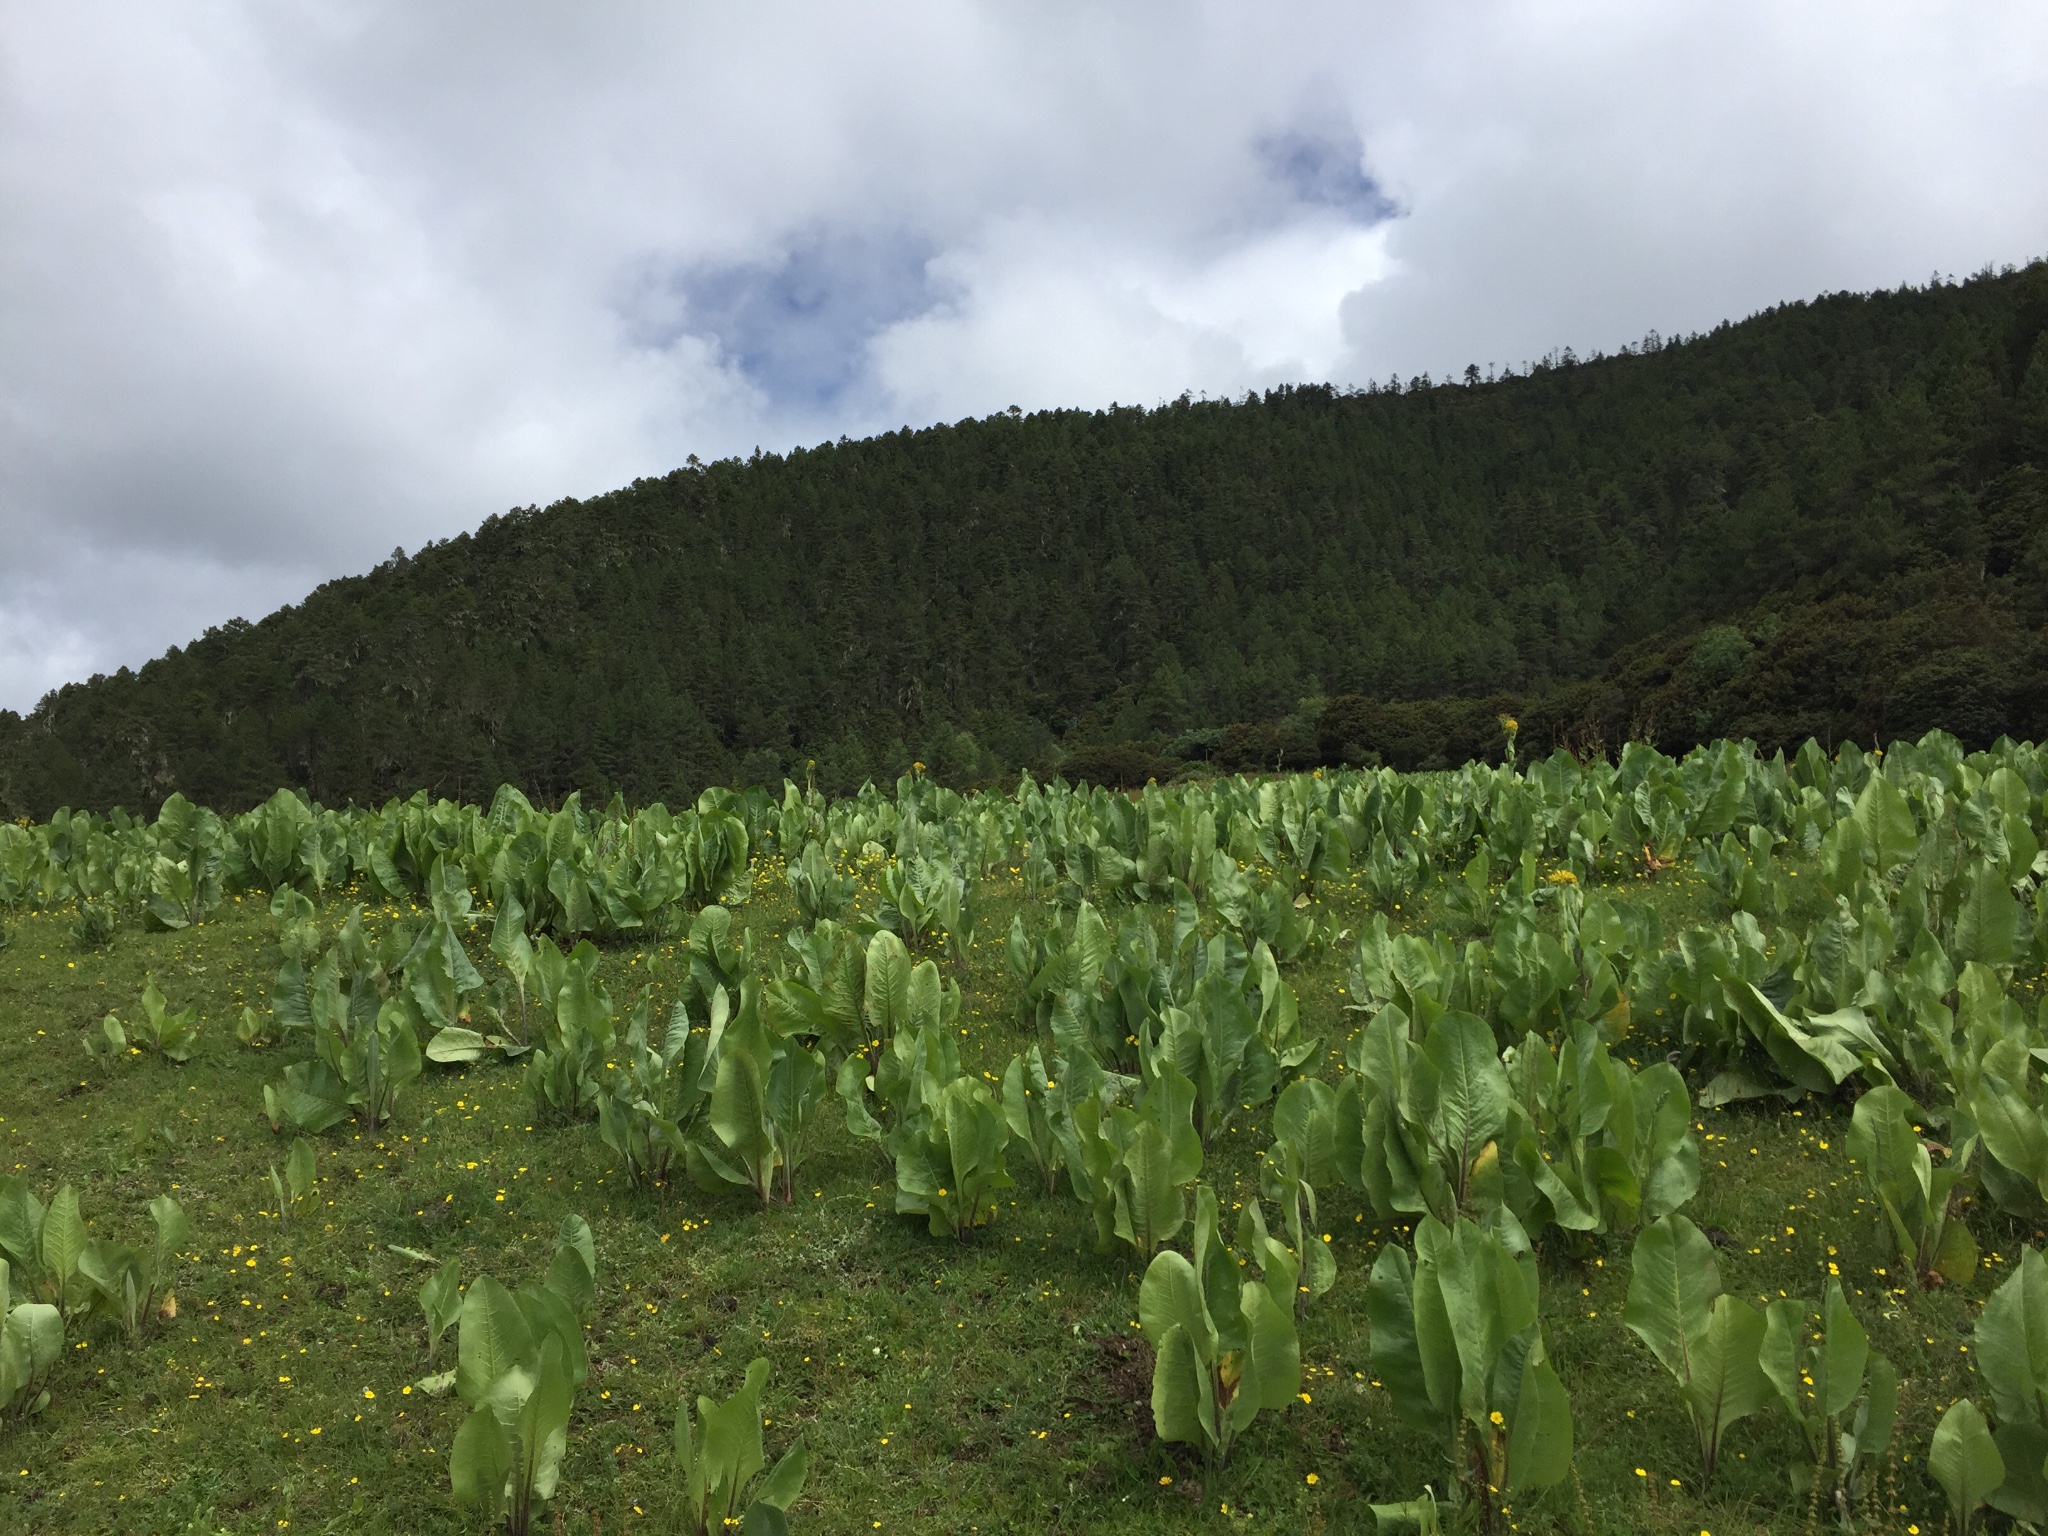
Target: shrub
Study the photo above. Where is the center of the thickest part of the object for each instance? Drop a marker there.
(1122, 767)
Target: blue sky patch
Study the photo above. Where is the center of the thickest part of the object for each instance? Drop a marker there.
(1326, 170)
(799, 326)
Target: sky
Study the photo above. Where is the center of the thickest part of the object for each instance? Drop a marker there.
(287, 285)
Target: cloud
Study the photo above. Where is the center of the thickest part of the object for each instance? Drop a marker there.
(285, 285)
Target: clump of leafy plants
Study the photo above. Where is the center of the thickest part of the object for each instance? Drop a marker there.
(721, 1455)
(31, 1344)
(97, 923)
(1456, 1339)
(54, 1263)
(519, 1360)
(296, 1192)
(765, 1094)
(1224, 1347)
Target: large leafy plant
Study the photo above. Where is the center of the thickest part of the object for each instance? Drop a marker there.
(1224, 1347)
(54, 1261)
(946, 1132)
(825, 994)
(185, 875)
(719, 1458)
(134, 1284)
(1918, 1200)
(1711, 1343)
(1033, 1106)
(2011, 1348)
(31, 1344)
(1234, 1034)
(821, 891)
(764, 1101)
(1092, 991)
(927, 899)
(1596, 1146)
(519, 1360)
(1418, 1126)
(1964, 1458)
(1842, 1394)
(363, 1026)
(576, 1032)
(172, 1033)
(1456, 1341)
(1134, 1166)
(359, 1067)
(44, 1244)
(1303, 1155)
(660, 1090)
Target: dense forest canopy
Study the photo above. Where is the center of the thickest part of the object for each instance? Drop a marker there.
(1830, 519)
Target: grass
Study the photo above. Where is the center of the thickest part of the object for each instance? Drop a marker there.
(994, 1385)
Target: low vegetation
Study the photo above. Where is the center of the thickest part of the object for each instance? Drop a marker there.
(1655, 1145)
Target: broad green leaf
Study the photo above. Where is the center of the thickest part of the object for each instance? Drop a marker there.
(1671, 1292)
(1487, 1301)
(452, 1043)
(1089, 950)
(1396, 1354)
(1784, 1332)
(1472, 1091)
(738, 1114)
(173, 1231)
(1182, 1411)
(1436, 1341)
(1727, 1382)
(36, 1331)
(1987, 921)
(1540, 1447)
(1890, 834)
(1881, 1139)
(63, 1237)
(299, 1169)
(1955, 1259)
(479, 1463)
(2023, 1493)
(1880, 1408)
(888, 984)
(441, 1301)
(1965, 1461)
(1843, 1352)
(731, 1448)
(695, 1482)
(2012, 1343)
(1416, 1517)
(1305, 1115)
(573, 1232)
(543, 1425)
(785, 1480)
(108, 1267)
(1158, 1200)
(492, 1338)
(1272, 1363)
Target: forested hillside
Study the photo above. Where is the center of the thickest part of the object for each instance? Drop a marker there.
(1828, 519)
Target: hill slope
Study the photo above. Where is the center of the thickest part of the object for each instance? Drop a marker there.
(1850, 496)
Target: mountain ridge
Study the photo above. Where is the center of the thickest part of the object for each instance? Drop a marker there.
(1851, 485)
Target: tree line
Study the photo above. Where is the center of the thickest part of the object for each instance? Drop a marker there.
(1829, 519)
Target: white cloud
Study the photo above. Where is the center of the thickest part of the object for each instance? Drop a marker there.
(282, 286)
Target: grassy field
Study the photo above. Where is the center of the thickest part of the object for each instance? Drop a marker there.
(995, 1385)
